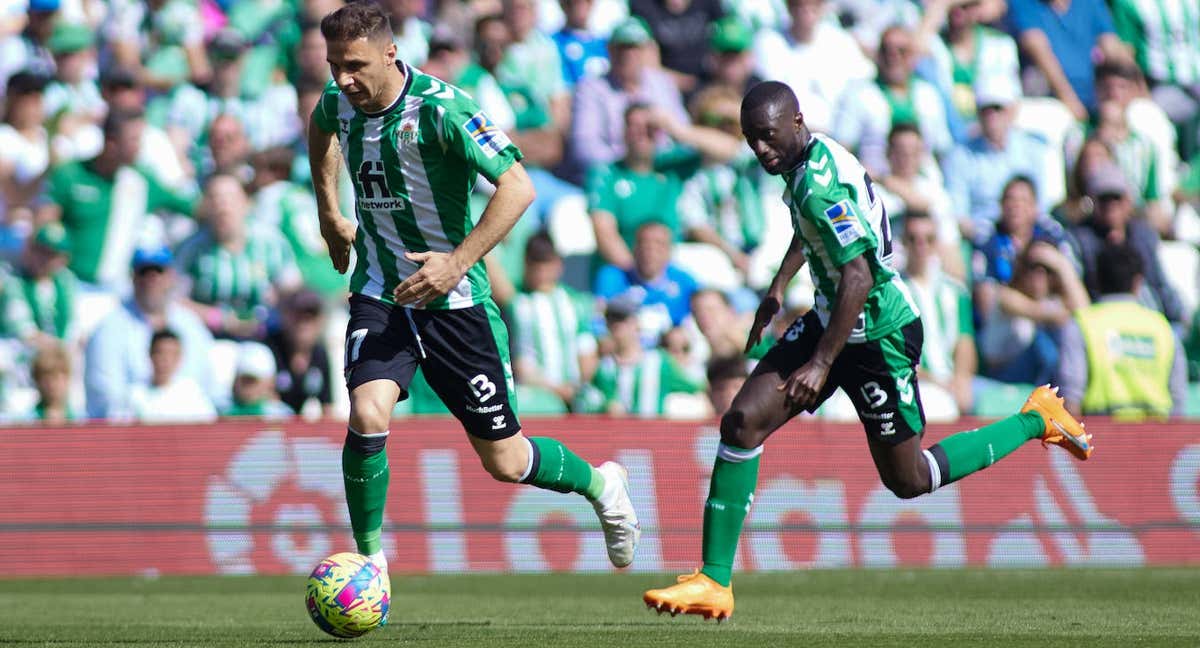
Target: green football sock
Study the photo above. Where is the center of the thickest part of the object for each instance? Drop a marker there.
(366, 479)
(730, 492)
(556, 468)
(974, 450)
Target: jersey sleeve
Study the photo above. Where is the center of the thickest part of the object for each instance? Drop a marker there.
(598, 186)
(324, 114)
(469, 133)
(839, 222)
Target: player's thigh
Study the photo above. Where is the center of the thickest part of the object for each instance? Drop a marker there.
(881, 379)
(467, 364)
(760, 407)
(379, 361)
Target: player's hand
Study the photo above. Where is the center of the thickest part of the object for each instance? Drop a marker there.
(767, 309)
(439, 274)
(339, 236)
(804, 385)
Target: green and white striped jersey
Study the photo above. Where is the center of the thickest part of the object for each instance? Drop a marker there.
(642, 388)
(552, 329)
(837, 217)
(1165, 36)
(244, 280)
(413, 167)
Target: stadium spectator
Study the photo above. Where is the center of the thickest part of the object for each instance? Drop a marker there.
(1165, 38)
(1112, 221)
(1136, 158)
(162, 39)
(309, 66)
(965, 50)
(731, 58)
(554, 348)
(266, 109)
(661, 290)
(721, 204)
(104, 203)
(73, 103)
(450, 60)
(37, 300)
(725, 377)
(1077, 207)
(801, 57)
(254, 392)
(598, 124)
(27, 52)
(871, 108)
(584, 53)
(169, 397)
(410, 32)
(532, 129)
(977, 171)
(625, 194)
(680, 29)
(904, 188)
(228, 151)
(532, 60)
(1018, 338)
(51, 370)
(1020, 224)
(24, 143)
(303, 379)
(116, 357)
(236, 270)
(714, 329)
(633, 380)
(948, 355)
(1119, 357)
(1061, 39)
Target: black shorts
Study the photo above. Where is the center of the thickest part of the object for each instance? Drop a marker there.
(463, 352)
(880, 376)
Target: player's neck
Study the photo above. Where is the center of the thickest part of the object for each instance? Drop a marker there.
(390, 92)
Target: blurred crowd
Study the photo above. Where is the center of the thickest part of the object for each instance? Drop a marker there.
(1039, 161)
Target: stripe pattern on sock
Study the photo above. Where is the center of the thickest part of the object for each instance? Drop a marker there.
(734, 454)
(366, 444)
(531, 466)
(935, 472)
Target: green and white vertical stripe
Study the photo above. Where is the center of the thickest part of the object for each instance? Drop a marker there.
(1165, 35)
(243, 279)
(550, 331)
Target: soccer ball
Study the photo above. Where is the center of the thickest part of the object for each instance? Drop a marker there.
(347, 595)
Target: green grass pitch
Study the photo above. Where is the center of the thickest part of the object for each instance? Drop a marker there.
(1135, 607)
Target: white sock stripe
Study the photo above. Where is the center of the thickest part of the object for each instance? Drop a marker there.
(528, 461)
(737, 455)
(368, 436)
(935, 471)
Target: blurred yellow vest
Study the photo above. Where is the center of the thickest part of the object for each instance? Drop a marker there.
(1130, 351)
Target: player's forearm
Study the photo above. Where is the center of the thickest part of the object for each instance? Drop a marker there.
(852, 291)
(514, 194)
(791, 264)
(323, 162)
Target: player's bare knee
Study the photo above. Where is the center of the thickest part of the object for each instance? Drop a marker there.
(735, 431)
(369, 415)
(906, 486)
(505, 467)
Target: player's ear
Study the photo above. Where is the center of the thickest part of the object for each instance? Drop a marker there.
(389, 53)
(799, 120)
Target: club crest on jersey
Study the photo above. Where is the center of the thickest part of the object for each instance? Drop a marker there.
(407, 133)
(845, 222)
(490, 139)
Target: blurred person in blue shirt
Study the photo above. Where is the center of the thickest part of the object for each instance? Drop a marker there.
(1020, 224)
(662, 290)
(583, 52)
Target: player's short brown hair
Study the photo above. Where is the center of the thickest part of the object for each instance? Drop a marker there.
(362, 19)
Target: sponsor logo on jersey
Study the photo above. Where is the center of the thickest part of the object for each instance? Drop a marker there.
(845, 222)
(486, 135)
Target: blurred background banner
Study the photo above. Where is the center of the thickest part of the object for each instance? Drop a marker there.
(258, 497)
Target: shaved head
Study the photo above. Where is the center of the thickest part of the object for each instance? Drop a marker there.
(773, 126)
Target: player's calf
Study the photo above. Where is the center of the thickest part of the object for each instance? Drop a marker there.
(506, 460)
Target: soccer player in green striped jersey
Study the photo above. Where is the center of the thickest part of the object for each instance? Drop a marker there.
(414, 146)
(863, 335)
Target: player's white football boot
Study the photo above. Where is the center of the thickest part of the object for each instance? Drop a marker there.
(617, 517)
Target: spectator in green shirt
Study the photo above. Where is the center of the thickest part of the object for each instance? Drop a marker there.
(625, 194)
(37, 301)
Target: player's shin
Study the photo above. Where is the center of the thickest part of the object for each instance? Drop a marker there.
(554, 467)
(730, 493)
(961, 454)
(365, 473)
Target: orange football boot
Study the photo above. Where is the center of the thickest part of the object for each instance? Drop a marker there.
(1061, 428)
(694, 593)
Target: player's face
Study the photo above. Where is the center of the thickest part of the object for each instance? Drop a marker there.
(360, 68)
(773, 133)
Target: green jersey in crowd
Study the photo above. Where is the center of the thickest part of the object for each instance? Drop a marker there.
(552, 329)
(413, 167)
(242, 279)
(642, 388)
(633, 197)
(837, 217)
